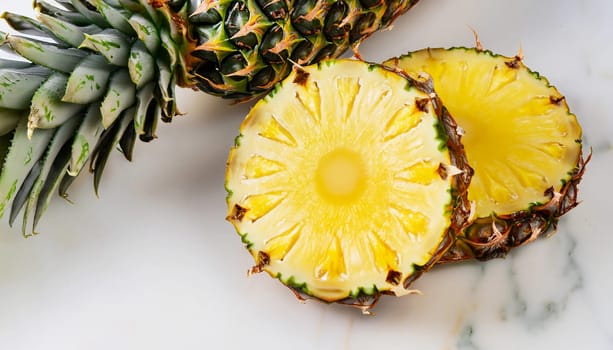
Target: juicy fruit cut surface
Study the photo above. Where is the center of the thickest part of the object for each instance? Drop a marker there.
(519, 135)
(337, 184)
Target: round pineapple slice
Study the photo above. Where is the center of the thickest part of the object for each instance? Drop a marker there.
(344, 179)
(520, 138)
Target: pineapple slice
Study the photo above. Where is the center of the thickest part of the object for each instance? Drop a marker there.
(520, 138)
(341, 182)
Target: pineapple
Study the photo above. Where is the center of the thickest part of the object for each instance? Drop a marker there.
(520, 138)
(101, 73)
(347, 181)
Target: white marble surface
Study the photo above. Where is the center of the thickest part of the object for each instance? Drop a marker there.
(152, 264)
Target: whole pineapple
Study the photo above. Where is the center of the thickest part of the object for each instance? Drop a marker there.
(104, 73)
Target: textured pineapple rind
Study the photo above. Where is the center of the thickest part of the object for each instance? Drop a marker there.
(494, 236)
(457, 207)
(233, 63)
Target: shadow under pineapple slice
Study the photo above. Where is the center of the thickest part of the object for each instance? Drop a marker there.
(347, 181)
(520, 138)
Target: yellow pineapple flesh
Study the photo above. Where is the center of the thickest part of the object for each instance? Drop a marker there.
(520, 138)
(340, 182)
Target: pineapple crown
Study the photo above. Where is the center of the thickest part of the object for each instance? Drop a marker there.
(98, 74)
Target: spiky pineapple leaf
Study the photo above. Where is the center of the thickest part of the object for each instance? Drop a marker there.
(18, 84)
(141, 65)
(120, 96)
(5, 143)
(98, 76)
(46, 54)
(108, 140)
(85, 139)
(146, 32)
(8, 120)
(48, 110)
(12, 64)
(144, 100)
(57, 172)
(111, 44)
(154, 115)
(170, 49)
(166, 83)
(62, 137)
(127, 142)
(20, 159)
(66, 4)
(26, 25)
(114, 17)
(88, 81)
(26, 187)
(67, 14)
(65, 31)
(88, 10)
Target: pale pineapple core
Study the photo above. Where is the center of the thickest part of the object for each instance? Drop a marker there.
(335, 183)
(340, 176)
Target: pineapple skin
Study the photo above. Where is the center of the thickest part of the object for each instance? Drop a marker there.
(493, 237)
(242, 48)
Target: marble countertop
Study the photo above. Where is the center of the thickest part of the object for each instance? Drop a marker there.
(152, 264)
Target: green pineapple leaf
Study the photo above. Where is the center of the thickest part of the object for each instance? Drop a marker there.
(98, 76)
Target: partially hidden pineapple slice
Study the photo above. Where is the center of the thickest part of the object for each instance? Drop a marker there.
(520, 138)
(343, 182)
